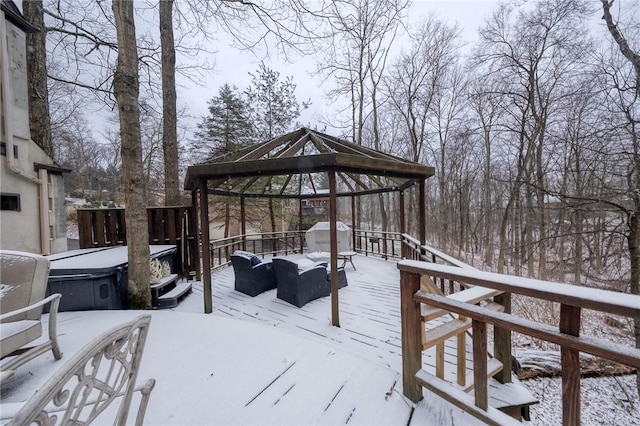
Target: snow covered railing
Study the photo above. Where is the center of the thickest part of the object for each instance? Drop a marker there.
(427, 253)
(413, 250)
(572, 300)
(268, 243)
(387, 245)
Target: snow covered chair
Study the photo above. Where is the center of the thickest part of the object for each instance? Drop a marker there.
(299, 288)
(252, 276)
(84, 389)
(23, 285)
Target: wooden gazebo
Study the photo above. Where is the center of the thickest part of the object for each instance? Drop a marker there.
(300, 158)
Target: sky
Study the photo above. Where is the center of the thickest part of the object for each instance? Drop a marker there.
(469, 15)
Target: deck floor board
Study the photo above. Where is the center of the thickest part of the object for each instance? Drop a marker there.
(369, 316)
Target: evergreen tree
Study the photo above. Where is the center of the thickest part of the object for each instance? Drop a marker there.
(273, 111)
(226, 128)
(274, 108)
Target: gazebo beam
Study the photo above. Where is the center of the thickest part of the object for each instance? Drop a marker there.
(303, 196)
(346, 182)
(289, 152)
(265, 148)
(308, 164)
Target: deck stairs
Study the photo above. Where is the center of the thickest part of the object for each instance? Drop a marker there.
(168, 291)
(447, 335)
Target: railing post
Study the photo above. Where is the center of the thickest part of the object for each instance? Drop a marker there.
(479, 330)
(411, 336)
(502, 342)
(384, 246)
(570, 358)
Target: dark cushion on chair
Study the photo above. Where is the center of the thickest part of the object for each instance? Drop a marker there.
(255, 260)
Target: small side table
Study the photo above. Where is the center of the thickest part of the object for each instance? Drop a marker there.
(347, 256)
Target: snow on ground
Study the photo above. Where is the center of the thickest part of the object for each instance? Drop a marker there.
(72, 230)
(208, 367)
(215, 370)
(605, 401)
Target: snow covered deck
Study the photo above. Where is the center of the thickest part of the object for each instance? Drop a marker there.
(262, 361)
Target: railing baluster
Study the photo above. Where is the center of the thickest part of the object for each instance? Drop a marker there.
(479, 330)
(570, 358)
(502, 342)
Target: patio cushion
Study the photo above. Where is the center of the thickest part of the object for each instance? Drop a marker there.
(16, 334)
(255, 260)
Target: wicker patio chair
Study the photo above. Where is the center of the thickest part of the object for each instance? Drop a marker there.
(252, 276)
(299, 288)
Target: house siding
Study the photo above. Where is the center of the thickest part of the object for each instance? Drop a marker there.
(20, 230)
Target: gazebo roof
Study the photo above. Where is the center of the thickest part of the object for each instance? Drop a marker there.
(294, 165)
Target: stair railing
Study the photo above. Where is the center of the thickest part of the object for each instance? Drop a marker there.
(566, 334)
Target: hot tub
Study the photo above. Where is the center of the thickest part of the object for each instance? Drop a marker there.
(95, 278)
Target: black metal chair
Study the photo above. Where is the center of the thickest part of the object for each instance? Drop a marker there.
(299, 288)
(252, 276)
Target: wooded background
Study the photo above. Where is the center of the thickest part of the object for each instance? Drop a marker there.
(532, 129)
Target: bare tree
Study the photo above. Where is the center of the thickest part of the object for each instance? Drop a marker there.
(533, 54)
(416, 82)
(126, 90)
(169, 109)
(627, 110)
(360, 33)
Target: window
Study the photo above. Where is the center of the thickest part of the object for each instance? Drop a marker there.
(3, 149)
(10, 202)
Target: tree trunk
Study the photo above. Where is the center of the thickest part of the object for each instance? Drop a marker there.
(272, 215)
(169, 111)
(126, 89)
(39, 117)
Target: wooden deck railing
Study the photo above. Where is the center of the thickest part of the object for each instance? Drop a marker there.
(265, 244)
(387, 245)
(566, 334)
(167, 225)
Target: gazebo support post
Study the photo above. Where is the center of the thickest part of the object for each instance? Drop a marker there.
(194, 206)
(401, 215)
(353, 221)
(402, 223)
(243, 224)
(423, 216)
(333, 238)
(206, 250)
